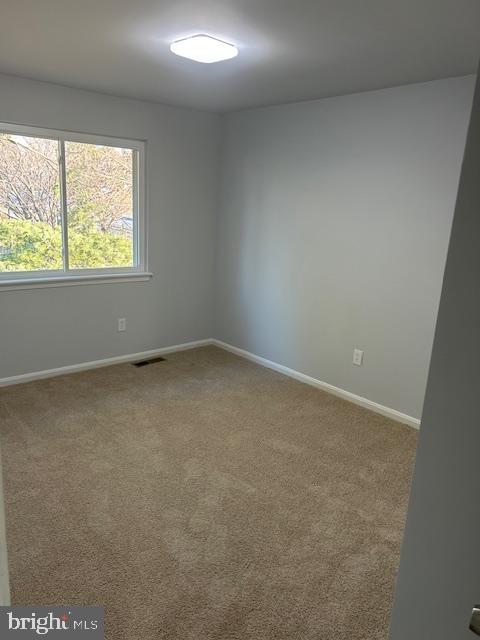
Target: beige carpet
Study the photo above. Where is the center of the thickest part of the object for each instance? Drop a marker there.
(204, 498)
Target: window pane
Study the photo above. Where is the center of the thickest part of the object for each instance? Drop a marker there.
(99, 205)
(30, 220)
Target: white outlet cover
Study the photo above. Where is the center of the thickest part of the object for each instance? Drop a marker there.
(357, 357)
(122, 324)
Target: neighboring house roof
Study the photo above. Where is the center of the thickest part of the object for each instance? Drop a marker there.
(124, 224)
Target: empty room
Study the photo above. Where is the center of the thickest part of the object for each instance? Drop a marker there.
(239, 319)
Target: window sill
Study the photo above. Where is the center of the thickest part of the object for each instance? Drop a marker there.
(69, 281)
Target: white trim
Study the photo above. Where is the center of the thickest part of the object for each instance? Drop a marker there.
(105, 362)
(71, 136)
(325, 386)
(68, 281)
(63, 203)
(269, 364)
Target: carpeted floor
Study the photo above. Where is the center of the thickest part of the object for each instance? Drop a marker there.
(204, 498)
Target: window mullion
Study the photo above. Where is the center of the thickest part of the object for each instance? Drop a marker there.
(135, 214)
(63, 204)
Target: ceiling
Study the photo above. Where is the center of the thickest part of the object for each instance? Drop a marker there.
(289, 49)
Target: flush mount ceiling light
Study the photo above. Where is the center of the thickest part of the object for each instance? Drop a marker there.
(204, 48)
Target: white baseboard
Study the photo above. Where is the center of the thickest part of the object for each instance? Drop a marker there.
(106, 362)
(346, 395)
(131, 357)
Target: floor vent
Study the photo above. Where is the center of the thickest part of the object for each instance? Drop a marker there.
(143, 363)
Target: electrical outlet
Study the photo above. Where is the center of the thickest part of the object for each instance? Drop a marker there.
(121, 324)
(358, 357)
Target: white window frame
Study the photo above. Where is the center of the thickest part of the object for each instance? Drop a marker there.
(67, 276)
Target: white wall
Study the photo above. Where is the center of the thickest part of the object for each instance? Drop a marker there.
(47, 328)
(439, 581)
(333, 223)
(333, 229)
(4, 577)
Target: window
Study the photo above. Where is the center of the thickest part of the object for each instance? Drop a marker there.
(71, 206)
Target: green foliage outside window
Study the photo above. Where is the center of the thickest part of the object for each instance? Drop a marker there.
(28, 246)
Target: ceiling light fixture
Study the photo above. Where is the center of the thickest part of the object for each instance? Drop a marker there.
(202, 48)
